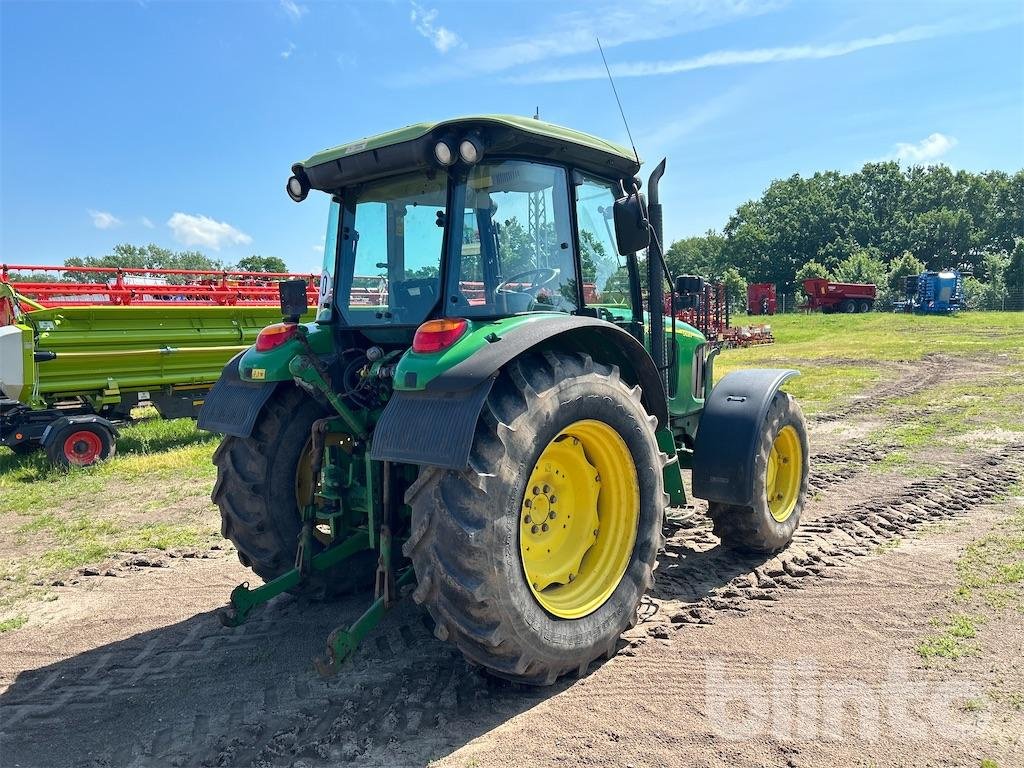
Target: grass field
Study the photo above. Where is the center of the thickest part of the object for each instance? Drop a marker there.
(155, 493)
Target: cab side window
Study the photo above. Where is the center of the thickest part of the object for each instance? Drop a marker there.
(605, 277)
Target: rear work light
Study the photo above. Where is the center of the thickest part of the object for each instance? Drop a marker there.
(436, 335)
(275, 335)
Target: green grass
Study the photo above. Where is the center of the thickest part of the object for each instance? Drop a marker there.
(15, 622)
(840, 356)
(951, 643)
(889, 337)
(151, 495)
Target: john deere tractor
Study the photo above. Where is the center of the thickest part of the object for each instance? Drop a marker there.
(494, 402)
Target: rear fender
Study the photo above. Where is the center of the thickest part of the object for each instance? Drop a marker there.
(435, 425)
(234, 404)
(728, 433)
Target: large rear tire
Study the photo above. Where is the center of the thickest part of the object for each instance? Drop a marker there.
(780, 479)
(565, 460)
(258, 489)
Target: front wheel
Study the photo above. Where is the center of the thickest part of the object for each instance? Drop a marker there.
(534, 559)
(780, 483)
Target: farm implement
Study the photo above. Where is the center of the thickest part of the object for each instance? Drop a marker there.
(933, 293)
(505, 423)
(832, 297)
(77, 356)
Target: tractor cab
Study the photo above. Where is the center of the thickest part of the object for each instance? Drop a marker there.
(477, 219)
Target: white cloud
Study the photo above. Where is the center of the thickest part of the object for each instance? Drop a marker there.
(571, 33)
(294, 10)
(192, 229)
(104, 220)
(145, 221)
(424, 21)
(727, 58)
(287, 52)
(931, 148)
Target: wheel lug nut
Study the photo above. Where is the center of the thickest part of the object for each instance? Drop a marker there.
(544, 527)
(535, 529)
(527, 519)
(547, 488)
(552, 514)
(536, 490)
(552, 498)
(527, 503)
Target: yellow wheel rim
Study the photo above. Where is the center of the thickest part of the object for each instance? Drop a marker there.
(578, 521)
(785, 467)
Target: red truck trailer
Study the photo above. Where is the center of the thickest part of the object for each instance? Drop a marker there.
(761, 299)
(838, 297)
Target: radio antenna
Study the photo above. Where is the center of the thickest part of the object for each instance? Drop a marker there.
(617, 99)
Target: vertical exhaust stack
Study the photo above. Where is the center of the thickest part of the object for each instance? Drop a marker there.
(655, 274)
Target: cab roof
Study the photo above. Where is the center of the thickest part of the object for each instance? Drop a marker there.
(411, 148)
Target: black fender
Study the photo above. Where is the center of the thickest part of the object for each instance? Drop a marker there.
(233, 405)
(57, 425)
(728, 432)
(435, 426)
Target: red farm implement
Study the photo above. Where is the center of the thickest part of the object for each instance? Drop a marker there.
(705, 306)
(98, 286)
(761, 299)
(829, 296)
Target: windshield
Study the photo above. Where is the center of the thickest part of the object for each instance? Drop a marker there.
(391, 239)
(516, 249)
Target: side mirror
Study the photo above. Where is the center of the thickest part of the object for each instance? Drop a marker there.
(293, 299)
(689, 284)
(632, 230)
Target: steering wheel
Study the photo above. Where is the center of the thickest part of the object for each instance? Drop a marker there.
(544, 276)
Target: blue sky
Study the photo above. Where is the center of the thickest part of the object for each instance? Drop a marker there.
(176, 122)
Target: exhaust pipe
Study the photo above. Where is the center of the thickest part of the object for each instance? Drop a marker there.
(655, 274)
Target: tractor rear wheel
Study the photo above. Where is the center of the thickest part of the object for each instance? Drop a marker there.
(780, 482)
(261, 482)
(534, 559)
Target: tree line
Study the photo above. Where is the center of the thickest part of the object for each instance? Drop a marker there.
(875, 225)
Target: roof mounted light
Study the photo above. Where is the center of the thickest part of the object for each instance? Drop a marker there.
(471, 150)
(444, 154)
(297, 188)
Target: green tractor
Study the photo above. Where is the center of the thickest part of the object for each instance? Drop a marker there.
(491, 404)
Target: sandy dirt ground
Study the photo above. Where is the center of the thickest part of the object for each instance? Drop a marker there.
(803, 659)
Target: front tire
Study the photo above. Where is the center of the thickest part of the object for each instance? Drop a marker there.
(553, 431)
(780, 481)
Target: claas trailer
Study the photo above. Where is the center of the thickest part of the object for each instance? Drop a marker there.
(486, 428)
(78, 354)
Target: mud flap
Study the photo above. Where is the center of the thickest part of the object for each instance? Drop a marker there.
(432, 428)
(727, 436)
(233, 405)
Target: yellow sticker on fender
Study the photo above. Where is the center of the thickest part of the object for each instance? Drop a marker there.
(259, 374)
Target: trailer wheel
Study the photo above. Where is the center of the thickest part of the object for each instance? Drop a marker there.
(80, 445)
(260, 480)
(848, 306)
(534, 559)
(865, 306)
(780, 472)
